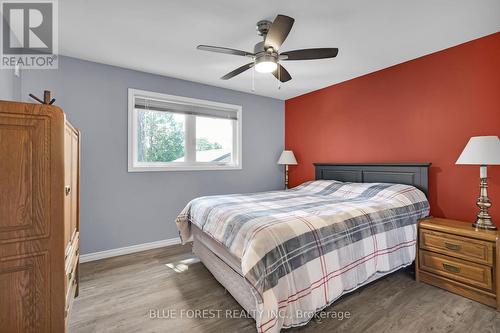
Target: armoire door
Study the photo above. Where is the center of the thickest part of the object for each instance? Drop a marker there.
(68, 147)
(31, 215)
(75, 190)
(71, 213)
(71, 190)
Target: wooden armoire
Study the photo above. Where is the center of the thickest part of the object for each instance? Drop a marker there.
(39, 217)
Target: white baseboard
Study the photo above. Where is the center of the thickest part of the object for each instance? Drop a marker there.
(128, 249)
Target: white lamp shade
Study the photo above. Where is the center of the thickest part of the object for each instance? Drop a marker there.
(481, 150)
(287, 157)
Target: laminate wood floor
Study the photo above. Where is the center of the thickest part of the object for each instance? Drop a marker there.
(118, 295)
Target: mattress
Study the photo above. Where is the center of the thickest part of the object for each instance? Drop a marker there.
(199, 237)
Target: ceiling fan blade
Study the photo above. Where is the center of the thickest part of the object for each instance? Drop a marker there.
(283, 74)
(224, 50)
(310, 54)
(237, 71)
(278, 32)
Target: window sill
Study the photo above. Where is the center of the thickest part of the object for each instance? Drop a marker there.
(183, 168)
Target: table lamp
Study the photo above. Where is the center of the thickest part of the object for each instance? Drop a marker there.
(483, 151)
(287, 158)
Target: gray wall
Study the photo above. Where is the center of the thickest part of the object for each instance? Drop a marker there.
(6, 84)
(120, 208)
(10, 85)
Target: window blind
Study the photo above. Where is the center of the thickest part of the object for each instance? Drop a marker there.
(184, 108)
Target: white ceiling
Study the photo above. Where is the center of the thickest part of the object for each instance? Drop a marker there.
(160, 36)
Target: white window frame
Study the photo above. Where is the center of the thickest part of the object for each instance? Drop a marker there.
(134, 166)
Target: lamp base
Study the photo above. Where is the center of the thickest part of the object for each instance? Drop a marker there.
(483, 220)
(484, 224)
(286, 177)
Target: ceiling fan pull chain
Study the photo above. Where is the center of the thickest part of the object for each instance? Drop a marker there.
(279, 78)
(253, 79)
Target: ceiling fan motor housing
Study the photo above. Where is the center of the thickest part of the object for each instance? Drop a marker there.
(259, 50)
(263, 56)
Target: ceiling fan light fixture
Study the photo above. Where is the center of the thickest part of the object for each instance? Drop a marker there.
(266, 67)
(266, 64)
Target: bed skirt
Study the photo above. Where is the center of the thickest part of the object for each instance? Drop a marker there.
(227, 276)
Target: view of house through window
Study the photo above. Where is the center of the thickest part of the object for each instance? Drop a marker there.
(166, 134)
(214, 140)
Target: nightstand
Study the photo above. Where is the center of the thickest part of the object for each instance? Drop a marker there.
(454, 256)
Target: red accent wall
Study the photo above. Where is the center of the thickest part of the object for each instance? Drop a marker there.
(424, 110)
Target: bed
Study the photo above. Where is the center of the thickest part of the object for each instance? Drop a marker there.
(285, 255)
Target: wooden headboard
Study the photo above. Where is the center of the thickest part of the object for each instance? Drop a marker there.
(415, 174)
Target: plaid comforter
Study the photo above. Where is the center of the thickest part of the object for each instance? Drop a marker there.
(303, 248)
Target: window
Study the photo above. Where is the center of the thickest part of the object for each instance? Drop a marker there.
(178, 133)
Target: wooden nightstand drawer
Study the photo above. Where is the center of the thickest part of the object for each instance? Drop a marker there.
(456, 269)
(459, 258)
(457, 246)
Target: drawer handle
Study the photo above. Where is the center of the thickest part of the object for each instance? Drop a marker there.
(453, 247)
(451, 268)
(67, 190)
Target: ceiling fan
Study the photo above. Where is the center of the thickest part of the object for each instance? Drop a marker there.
(265, 57)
